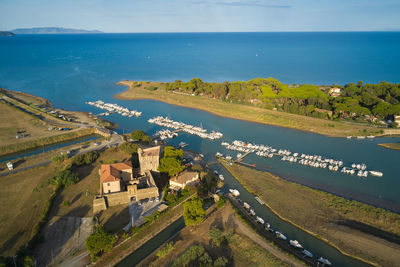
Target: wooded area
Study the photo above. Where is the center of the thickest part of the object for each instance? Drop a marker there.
(363, 102)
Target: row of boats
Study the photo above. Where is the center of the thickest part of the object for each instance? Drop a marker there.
(362, 137)
(113, 108)
(316, 161)
(165, 134)
(294, 243)
(190, 129)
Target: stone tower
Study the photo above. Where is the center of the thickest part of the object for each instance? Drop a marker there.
(149, 159)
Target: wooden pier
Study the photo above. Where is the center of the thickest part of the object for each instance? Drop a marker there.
(239, 159)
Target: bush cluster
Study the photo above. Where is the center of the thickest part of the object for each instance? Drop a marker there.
(85, 159)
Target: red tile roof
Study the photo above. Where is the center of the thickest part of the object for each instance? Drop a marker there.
(111, 172)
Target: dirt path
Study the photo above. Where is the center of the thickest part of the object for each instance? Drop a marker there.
(244, 229)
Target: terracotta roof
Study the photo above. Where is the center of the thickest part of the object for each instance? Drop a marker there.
(111, 172)
(152, 151)
(184, 177)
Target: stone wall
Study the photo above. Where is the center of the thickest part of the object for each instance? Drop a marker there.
(99, 204)
(116, 199)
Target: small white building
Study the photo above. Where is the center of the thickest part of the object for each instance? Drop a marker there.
(335, 91)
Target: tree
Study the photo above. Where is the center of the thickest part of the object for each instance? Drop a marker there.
(193, 211)
(216, 236)
(171, 162)
(170, 165)
(170, 151)
(140, 136)
(98, 242)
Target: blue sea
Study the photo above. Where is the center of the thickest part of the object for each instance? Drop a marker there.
(72, 69)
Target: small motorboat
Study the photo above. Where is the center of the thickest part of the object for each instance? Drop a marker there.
(324, 261)
(295, 244)
(307, 253)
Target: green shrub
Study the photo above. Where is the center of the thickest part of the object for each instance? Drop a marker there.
(99, 242)
(64, 178)
(129, 148)
(59, 158)
(165, 250)
(85, 159)
(193, 211)
(216, 236)
(194, 254)
(141, 136)
(152, 88)
(221, 202)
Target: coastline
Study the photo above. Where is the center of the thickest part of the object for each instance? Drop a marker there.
(251, 113)
(392, 146)
(282, 217)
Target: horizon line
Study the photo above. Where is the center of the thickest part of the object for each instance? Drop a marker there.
(305, 31)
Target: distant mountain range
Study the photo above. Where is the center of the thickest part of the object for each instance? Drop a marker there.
(6, 33)
(51, 30)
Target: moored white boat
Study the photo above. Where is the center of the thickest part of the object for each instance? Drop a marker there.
(376, 173)
(280, 235)
(295, 244)
(234, 192)
(260, 220)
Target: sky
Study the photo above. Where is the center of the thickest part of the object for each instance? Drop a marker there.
(203, 15)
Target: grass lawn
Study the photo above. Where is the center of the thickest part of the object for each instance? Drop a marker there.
(21, 206)
(320, 212)
(244, 112)
(77, 200)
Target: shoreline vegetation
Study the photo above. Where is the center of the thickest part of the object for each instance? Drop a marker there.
(357, 230)
(255, 110)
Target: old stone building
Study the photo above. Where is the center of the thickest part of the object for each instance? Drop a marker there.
(112, 174)
(120, 183)
(149, 159)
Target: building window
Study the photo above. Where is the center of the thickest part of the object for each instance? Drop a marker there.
(108, 184)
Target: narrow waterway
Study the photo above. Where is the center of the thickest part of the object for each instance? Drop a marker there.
(151, 245)
(46, 148)
(317, 247)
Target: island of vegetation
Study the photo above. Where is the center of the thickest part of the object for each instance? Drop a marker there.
(353, 109)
